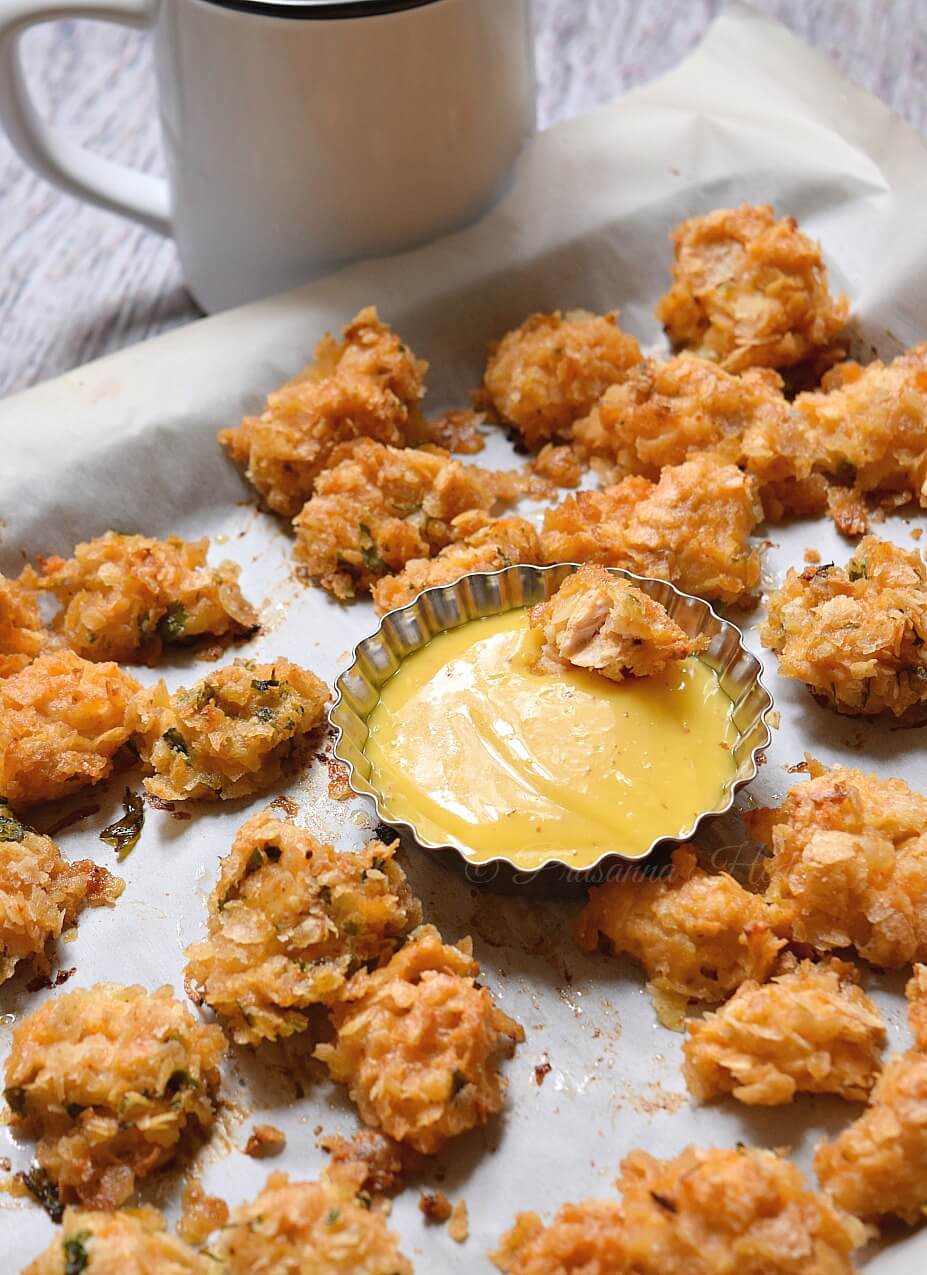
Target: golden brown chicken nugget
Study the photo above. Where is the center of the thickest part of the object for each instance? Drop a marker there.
(698, 934)
(22, 634)
(134, 1242)
(127, 597)
(749, 291)
(290, 920)
(550, 370)
(112, 1081)
(62, 720)
(369, 385)
(418, 1044)
(855, 635)
(234, 733)
(691, 528)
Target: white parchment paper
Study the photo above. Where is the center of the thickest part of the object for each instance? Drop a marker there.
(129, 443)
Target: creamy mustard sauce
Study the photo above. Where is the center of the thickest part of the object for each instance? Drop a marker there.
(475, 749)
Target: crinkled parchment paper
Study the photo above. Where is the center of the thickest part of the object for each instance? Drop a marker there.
(129, 443)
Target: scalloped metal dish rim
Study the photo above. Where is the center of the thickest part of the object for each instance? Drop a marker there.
(501, 860)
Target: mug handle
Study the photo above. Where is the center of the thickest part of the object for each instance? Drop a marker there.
(77, 170)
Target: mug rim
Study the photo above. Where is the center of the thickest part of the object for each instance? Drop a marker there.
(320, 10)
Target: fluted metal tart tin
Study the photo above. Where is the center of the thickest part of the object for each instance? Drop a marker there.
(478, 595)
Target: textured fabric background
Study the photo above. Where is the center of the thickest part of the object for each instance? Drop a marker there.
(76, 283)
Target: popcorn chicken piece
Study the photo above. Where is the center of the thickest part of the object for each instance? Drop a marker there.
(698, 935)
(599, 621)
(231, 734)
(705, 1212)
(663, 413)
(41, 893)
(290, 920)
(135, 1242)
(691, 528)
(127, 597)
(810, 1030)
(855, 635)
(749, 291)
(375, 508)
(22, 634)
(328, 1223)
(418, 1044)
(62, 719)
(849, 864)
(548, 372)
(113, 1081)
(559, 464)
(586, 1239)
(877, 1167)
(867, 430)
(490, 545)
(369, 385)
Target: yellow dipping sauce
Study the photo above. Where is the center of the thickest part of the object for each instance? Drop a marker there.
(475, 749)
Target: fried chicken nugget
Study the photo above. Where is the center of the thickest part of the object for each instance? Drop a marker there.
(231, 734)
(698, 935)
(663, 413)
(711, 1211)
(290, 920)
(41, 893)
(548, 372)
(22, 634)
(812, 1029)
(849, 864)
(877, 1167)
(600, 621)
(749, 291)
(135, 1242)
(865, 430)
(418, 1044)
(855, 635)
(62, 719)
(691, 528)
(375, 508)
(369, 386)
(112, 1081)
(311, 1228)
(493, 543)
(125, 598)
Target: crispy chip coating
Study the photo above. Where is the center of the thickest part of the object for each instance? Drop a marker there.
(706, 1212)
(877, 1167)
(855, 635)
(698, 935)
(849, 864)
(368, 386)
(290, 920)
(749, 291)
(548, 372)
(494, 543)
(135, 1242)
(231, 734)
(418, 1044)
(22, 633)
(112, 1081)
(375, 508)
(599, 621)
(810, 1030)
(691, 528)
(311, 1228)
(663, 413)
(41, 893)
(865, 430)
(61, 721)
(126, 597)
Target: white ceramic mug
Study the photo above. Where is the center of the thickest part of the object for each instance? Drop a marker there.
(300, 133)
